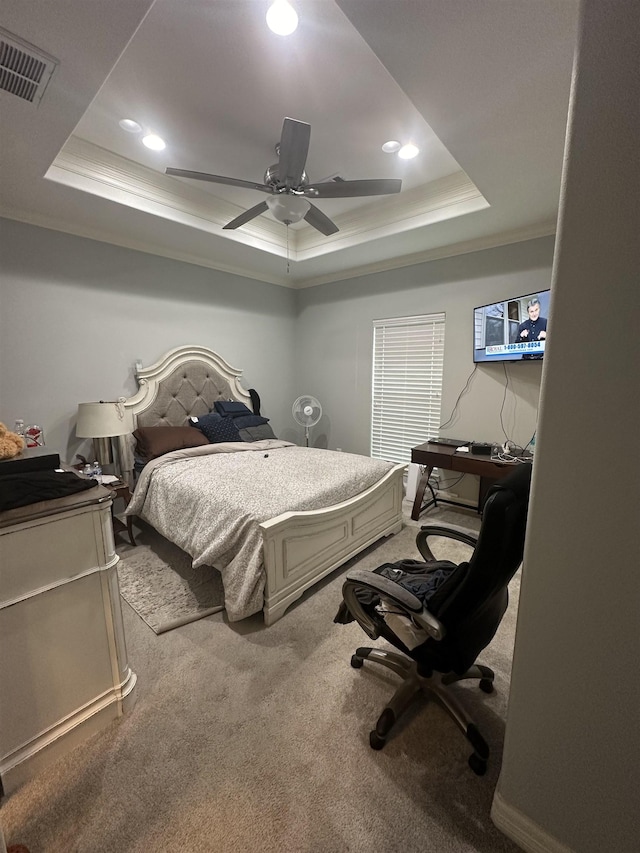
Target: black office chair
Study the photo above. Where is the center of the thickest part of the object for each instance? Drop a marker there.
(440, 614)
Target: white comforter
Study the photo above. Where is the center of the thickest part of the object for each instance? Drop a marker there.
(210, 501)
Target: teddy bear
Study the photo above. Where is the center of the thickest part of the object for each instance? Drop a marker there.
(11, 444)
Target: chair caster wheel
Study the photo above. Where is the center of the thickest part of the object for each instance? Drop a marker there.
(486, 685)
(356, 662)
(378, 736)
(477, 764)
(375, 741)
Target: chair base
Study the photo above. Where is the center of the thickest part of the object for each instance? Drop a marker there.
(435, 686)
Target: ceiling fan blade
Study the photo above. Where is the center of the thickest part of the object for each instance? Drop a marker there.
(217, 179)
(294, 147)
(353, 189)
(246, 216)
(323, 224)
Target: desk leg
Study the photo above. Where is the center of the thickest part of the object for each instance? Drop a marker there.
(422, 487)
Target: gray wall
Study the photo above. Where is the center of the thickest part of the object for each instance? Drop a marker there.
(571, 764)
(334, 343)
(76, 314)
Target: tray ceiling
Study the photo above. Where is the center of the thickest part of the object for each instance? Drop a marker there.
(481, 87)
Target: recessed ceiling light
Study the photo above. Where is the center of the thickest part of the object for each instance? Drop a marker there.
(408, 151)
(391, 146)
(154, 142)
(130, 125)
(282, 18)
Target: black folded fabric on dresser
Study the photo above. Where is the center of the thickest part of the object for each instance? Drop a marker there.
(22, 489)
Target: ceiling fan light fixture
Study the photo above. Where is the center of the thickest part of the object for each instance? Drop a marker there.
(288, 208)
(282, 18)
(408, 151)
(155, 143)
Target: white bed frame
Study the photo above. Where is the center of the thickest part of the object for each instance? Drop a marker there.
(300, 548)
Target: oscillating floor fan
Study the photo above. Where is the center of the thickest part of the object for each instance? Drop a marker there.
(306, 411)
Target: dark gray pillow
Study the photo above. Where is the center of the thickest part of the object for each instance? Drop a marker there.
(256, 433)
(244, 421)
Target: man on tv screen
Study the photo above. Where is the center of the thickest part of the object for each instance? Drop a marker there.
(534, 328)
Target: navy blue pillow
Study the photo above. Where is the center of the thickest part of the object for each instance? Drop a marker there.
(244, 421)
(219, 429)
(231, 407)
(202, 420)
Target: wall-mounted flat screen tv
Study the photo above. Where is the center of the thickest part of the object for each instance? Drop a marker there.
(512, 330)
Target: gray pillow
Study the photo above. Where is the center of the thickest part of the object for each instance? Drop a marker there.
(244, 421)
(256, 433)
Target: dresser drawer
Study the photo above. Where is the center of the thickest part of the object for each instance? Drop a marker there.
(48, 551)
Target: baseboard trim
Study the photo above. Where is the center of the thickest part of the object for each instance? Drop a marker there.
(521, 829)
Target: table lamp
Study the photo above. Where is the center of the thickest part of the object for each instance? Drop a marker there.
(103, 421)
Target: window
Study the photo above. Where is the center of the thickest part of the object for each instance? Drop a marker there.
(408, 354)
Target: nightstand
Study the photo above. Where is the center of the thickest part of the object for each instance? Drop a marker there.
(122, 490)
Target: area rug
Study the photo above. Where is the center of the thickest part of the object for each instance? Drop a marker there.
(157, 580)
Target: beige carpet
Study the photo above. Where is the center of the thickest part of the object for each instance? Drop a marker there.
(246, 738)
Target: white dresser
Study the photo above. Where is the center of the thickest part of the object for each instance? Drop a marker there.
(64, 673)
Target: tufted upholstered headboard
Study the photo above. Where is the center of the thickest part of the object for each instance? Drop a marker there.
(186, 381)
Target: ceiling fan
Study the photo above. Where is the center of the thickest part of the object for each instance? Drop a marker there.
(288, 185)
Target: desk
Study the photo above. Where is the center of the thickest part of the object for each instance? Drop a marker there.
(439, 456)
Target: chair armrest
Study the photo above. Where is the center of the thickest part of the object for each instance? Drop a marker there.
(387, 587)
(406, 599)
(447, 531)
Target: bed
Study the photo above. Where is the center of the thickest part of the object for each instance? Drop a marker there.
(301, 513)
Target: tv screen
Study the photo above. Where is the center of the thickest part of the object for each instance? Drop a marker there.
(513, 330)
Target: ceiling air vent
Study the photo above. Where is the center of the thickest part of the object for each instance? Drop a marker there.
(24, 70)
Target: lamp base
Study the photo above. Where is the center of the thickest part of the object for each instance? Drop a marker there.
(103, 450)
(107, 454)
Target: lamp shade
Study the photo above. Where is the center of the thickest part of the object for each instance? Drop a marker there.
(103, 419)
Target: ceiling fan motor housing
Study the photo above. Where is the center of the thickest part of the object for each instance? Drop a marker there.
(272, 178)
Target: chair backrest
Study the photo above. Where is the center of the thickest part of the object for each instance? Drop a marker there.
(473, 608)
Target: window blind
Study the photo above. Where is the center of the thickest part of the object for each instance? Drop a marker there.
(408, 356)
